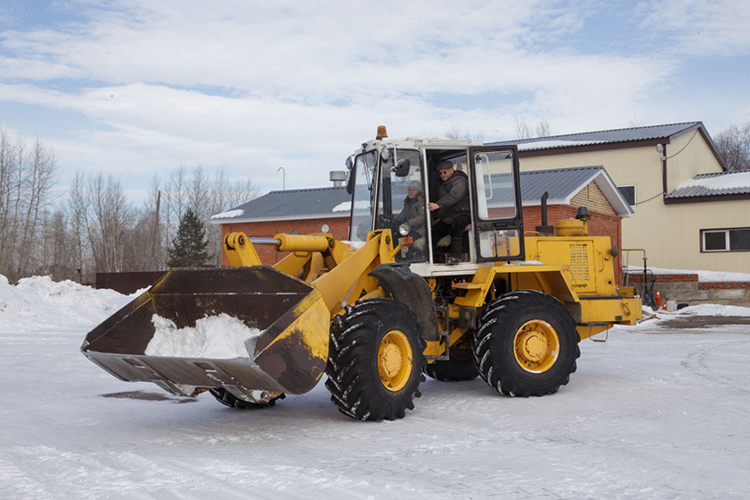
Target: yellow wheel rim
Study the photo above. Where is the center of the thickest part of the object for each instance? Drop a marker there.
(536, 346)
(395, 360)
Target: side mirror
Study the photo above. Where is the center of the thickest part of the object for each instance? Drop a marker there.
(402, 168)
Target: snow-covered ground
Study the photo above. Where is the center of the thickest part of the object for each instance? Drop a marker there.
(659, 411)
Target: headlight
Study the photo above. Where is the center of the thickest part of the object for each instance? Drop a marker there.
(404, 229)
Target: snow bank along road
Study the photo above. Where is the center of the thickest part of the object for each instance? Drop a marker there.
(656, 412)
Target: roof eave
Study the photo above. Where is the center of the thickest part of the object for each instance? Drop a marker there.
(589, 147)
(275, 218)
(706, 198)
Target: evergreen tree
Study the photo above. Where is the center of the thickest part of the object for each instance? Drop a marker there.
(189, 246)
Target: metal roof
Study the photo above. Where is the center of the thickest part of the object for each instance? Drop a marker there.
(606, 136)
(713, 184)
(290, 204)
(561, 184)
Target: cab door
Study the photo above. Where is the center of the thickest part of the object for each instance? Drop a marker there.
(496, 194)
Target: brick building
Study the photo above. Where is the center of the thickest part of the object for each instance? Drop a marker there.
(307, 210)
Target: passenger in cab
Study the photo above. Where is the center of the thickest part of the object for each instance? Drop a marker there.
(413, 213)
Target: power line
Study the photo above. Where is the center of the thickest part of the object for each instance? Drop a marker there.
(666, 158)
(644, 201)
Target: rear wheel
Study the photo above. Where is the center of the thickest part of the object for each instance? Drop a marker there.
(527, 344)
(264, 399)
(459, 367)
(375, 360)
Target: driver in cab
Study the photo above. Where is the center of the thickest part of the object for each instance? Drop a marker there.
(452, 208)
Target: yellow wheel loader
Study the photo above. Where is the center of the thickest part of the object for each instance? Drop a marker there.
(377, 312)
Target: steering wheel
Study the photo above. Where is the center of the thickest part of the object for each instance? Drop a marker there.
(384, 221)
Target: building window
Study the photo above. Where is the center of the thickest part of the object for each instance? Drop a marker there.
(628, 192)
(725, 240)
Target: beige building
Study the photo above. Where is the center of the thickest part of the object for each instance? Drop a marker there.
(689, 212)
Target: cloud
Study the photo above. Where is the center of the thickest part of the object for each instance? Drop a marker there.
(253, 86)
(699, 27)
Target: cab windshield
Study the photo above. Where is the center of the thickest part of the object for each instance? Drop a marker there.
(402, 204)
(363, 196)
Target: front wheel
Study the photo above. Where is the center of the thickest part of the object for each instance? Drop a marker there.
(375, 360)
(527, 344)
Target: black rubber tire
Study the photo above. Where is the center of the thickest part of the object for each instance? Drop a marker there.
(493, 344)
(228, 399)
(458, 368)
(352, 370)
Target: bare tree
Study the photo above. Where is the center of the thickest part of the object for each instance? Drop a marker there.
(240, 192)
(635, 122)
(543, 129)
(39, 177)
(107, 224)
(58, 257)
(176, 196)
(26, 181)
(77, 218)
(96, 229)
(455, 132)
(525, 131)
(733, 145)
(137, 241)
(199, 194)
(8, 198)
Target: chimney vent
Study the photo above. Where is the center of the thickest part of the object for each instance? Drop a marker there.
(338, 177)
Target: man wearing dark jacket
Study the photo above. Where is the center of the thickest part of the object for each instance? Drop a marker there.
(452, 208)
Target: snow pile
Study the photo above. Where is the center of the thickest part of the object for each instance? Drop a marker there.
(703, 276)
(732, 180)
(229, 214)
(559, 143)
(217, 337)
(38, 303)
(347, 205)
(355, 245)
(716, 310)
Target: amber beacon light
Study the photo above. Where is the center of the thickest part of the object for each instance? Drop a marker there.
(381, 132)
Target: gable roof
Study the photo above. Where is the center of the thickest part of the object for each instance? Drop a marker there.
(312, 203)
(562, 184)
(621, 137)
(709, 186)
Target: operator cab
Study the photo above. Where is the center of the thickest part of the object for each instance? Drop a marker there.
(393, 181)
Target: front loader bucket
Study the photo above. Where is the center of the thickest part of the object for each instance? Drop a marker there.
(289, 355)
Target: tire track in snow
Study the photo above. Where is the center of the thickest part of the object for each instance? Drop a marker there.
(16, 483)
(695, 362)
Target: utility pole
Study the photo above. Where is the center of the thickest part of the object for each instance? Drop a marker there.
(156, 232)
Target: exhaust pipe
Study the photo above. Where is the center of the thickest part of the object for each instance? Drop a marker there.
(544, 229)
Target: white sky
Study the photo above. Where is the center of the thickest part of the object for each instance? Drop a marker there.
(134, 87)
